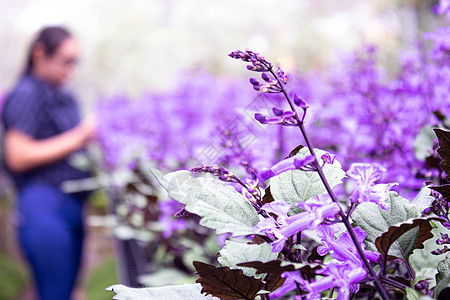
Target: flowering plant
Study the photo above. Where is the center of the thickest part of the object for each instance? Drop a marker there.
(301, 237)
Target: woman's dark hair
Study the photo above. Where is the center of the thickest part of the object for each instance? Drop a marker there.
(50, 38)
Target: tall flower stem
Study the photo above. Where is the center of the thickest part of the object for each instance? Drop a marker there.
(324, 180)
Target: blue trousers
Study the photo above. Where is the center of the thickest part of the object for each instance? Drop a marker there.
(51, 234)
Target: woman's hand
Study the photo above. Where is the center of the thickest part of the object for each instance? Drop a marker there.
(86, 130)
(23, 152)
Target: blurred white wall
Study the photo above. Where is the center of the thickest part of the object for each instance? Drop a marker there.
(132, 46)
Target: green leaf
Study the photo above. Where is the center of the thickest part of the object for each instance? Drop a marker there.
(296, 185)
(224, 283)
(423, 262)
(423, 144)
(221, 207)
(234, 253)
(423, 199)
(405, 237)
(375, 221)
(443, 276)
(444, 149)
(185, 291)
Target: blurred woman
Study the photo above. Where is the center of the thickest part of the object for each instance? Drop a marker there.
(42, 129)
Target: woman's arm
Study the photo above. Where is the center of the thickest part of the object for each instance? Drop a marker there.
(23, 152)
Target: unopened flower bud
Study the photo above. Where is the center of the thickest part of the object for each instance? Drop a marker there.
(254, 82)
(261, 118)
(265, 77)
(300, 102)
(277, 111)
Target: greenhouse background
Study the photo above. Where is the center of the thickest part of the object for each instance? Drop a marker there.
(157, 76)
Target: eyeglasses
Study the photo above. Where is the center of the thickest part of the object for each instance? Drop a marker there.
(66, 61)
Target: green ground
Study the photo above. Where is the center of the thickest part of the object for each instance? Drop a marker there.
(13, 278)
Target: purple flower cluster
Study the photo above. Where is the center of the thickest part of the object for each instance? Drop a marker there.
(443, 8)
(171, 129)
(373, 119)
(316, 210)
(370, 118)
(321, 214)
(343, 272)
(166, 219)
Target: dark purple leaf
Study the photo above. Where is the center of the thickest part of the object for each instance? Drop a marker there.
(267, 198)
(444, 149)
(273, 269)
(226, 283)
(444, 190)
(385, 241)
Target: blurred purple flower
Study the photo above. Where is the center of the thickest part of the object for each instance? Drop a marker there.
(443, 8)
(168, 223)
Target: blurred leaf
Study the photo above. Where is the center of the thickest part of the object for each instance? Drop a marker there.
(234, 253)
(375, 221)
(195, 253)
(443, 276)
(166, 276)
(423, 144)
(444, 294)
(444, 149)
(412, 294)
(221, 207)
(185, 291)
(400, 236)
(296, 185)
(227, 284)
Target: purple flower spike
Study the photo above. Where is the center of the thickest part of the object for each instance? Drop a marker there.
(259, 63)
(282, 76)
(287, 164)
(367, 191)
(261, 118)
